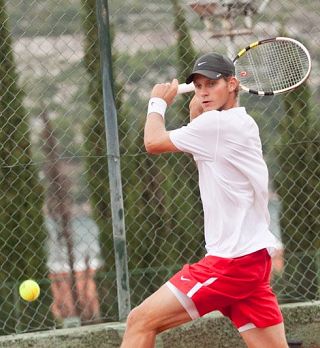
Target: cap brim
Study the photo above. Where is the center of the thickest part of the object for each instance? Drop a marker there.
(207, 73)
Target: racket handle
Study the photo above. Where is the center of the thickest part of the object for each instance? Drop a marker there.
(185, 88)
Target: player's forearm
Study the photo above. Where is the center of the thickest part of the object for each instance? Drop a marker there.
(156, 138)
(154, 133)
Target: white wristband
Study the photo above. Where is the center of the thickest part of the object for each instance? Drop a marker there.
(157, 105)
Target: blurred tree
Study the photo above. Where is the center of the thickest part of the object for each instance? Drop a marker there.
(297, 183)
(184, 191)
(186, 56)
(21, 222)
(97, 163)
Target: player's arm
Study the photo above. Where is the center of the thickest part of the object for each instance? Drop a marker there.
(156, 137)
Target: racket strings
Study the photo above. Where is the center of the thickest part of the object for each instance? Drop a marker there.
(289, 64)
(273, 66)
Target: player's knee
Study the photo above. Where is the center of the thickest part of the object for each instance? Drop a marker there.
(137, 319)
(133, 318)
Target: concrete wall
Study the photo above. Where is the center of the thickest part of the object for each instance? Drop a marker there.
(302, 322)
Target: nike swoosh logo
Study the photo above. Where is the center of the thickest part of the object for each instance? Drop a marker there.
(201, 63)
(183, 278)
(218, 75)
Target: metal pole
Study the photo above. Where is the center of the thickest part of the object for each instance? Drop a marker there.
(110, 117)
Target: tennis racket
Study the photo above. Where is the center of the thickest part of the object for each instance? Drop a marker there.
(269, 67)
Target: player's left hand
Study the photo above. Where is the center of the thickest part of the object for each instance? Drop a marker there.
(195, 108)
(166, 91)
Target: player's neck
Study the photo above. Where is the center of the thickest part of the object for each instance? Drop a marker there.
(230, 104)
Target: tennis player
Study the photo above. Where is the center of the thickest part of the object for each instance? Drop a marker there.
(234, 276)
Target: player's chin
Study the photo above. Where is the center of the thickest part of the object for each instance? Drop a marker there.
(209, 107)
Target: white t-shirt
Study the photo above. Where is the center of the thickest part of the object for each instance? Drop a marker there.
(233, 181)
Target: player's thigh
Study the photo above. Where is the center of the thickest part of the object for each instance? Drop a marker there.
(269, 337)
(161, 311)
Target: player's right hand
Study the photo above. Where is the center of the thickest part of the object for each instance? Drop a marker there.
(166, 91)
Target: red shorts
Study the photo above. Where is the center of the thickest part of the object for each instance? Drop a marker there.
(239, 288)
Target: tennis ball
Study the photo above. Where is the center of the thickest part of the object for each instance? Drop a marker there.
(29, 290)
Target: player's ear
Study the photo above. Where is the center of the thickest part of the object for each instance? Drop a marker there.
(233, 84)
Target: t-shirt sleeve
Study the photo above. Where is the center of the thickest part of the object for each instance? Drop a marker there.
(200, 137)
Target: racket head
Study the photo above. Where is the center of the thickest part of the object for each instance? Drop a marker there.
(272, 66)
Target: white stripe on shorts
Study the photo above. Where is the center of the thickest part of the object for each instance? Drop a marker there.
(185, 301)
(246, 327)
(200, 285)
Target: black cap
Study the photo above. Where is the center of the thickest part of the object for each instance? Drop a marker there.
(212, 65)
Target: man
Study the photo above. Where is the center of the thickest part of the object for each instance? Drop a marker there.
(234, 276)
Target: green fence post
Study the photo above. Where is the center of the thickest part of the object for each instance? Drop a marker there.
(110, 116)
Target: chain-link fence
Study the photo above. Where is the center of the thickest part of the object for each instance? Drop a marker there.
(56, 224)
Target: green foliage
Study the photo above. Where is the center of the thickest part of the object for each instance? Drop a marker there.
(297, 184)
(97, 164)
(21, 223)
(186, 54)
(185, 51)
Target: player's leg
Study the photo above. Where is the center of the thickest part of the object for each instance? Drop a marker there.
(269, 337)
(159, 312)
(258, 316)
